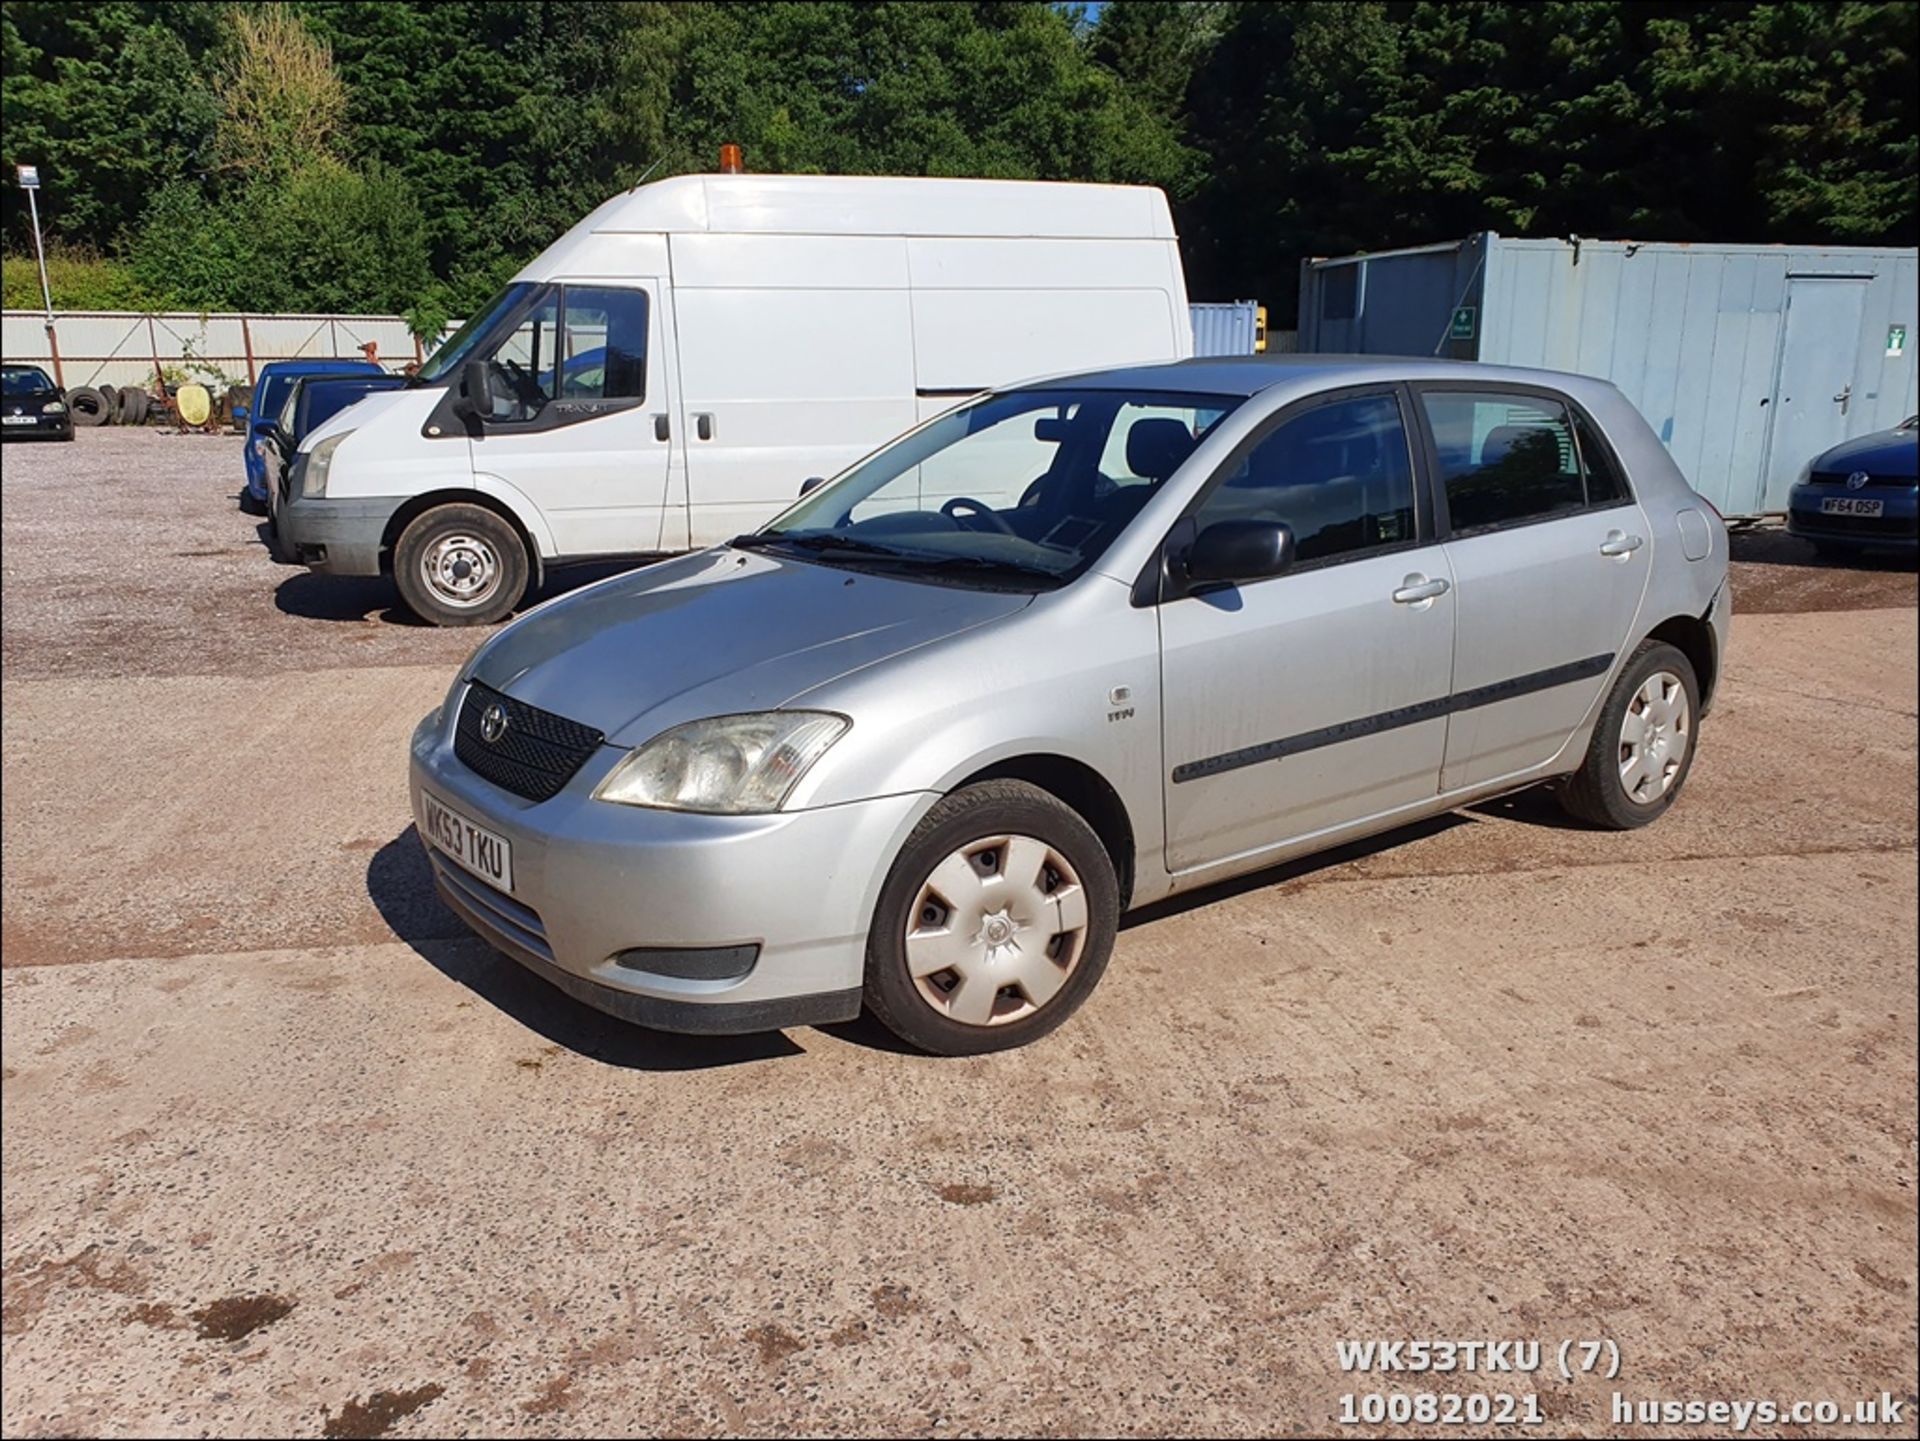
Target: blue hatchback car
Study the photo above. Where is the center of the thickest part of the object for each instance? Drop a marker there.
(1863, 494)
(269, 394)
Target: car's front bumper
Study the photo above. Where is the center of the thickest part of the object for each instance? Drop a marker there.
(333, 537)
(1896, 528)
(43, 428)
(790, 894)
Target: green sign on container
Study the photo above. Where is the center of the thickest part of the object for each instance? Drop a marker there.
(1462, 327)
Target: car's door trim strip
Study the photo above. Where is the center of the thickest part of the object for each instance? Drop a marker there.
(1387, 720)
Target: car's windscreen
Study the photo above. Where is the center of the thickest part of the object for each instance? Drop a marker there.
(1025, 489)
(24, 380)
(445, 362)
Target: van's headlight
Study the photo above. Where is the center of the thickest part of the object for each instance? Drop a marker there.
(313, 478)
(725, 765)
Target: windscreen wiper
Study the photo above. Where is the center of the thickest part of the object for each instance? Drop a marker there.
(817, 540)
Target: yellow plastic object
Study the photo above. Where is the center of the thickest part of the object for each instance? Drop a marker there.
(194, 404)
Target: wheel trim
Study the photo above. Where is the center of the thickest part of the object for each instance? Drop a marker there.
(461, 569)
(1655, 735)
(995, 930)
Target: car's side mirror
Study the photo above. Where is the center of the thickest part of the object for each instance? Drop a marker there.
(475, 400)
(812, 483)
(1229, 552)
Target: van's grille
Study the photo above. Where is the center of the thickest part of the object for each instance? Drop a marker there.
(533, 755)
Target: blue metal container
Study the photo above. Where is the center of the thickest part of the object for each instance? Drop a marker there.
(1225, 327)
(1748, 360)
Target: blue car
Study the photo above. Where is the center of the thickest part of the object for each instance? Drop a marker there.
(269, 395)
(1862, 495)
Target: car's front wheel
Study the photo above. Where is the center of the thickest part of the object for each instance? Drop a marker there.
(994, 924)
(1643, 745)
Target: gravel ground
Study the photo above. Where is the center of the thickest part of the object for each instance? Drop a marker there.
(287, 1152)
(156, 572)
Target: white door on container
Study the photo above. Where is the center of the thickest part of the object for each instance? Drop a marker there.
(1813, 399)
(582, 416)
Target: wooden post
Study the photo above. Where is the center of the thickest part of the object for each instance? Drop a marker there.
(53, 343)
(246, 339)
(153, 344)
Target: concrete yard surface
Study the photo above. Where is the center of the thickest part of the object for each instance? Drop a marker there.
(287, 1152)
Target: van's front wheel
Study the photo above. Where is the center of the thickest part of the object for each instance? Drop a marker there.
(460, 565)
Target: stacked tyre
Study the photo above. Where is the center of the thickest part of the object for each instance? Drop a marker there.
(109, 405)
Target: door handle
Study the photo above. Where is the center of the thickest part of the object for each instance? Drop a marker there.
(1618, 543)
(703, 425)
(1844, 398)
(1416, 589)
(662, 427)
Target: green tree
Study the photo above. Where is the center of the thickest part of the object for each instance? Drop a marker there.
(109, 101)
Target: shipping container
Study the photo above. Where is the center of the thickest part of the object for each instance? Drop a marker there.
(1226, 327)
(1748, 360)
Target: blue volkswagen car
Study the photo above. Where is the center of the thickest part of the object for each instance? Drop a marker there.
(269, 395)
(1864, 494)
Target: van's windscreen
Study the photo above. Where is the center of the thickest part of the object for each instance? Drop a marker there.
(445, 362)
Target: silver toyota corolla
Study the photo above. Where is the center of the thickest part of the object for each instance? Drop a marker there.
(1070, 648)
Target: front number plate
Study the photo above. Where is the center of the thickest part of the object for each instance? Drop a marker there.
(475, 848)
(19, 419)
(1847, 505)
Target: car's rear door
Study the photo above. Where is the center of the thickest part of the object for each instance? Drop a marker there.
(1316, 698)
(1550, 556)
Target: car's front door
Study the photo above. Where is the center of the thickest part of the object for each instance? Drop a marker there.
(1316, 698)
(1550, 557)
(582, 419)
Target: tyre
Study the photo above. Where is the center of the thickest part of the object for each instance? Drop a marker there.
(110, 404)
(250, 506)
(133, 407)
(87, 405)
(1643, 745)
(460, 565)
(994, 924)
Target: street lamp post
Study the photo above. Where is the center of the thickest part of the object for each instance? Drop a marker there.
(29, 177)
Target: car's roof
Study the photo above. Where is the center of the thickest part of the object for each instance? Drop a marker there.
(318, 367)
(1244, 375)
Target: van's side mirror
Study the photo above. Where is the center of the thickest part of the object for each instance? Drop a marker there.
(1229, 552)
(475, 400)
(811, 483)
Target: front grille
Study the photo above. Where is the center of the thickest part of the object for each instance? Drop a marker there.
(1838, 480)
(534, 756)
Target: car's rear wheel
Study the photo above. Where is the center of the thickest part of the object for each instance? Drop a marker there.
(1643, 745)
(994, 924)
(460, 565)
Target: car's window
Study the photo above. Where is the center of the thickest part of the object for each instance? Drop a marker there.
(24, 380)
(1340, 476)
(1605, 484)
(1010, 489)
(522, 364)
(1503, 459)
(606, 344)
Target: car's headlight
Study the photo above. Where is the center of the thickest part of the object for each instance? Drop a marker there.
(54, 407)
(1805, 475)
(725, 765)
(313, 480)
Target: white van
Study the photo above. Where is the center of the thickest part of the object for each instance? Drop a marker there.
(672, 370)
